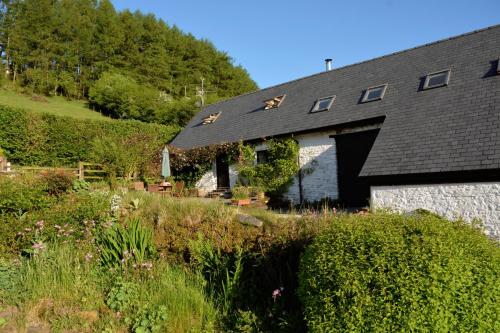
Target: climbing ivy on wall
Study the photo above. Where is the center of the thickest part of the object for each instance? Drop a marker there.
(190, 165)
(275, 175)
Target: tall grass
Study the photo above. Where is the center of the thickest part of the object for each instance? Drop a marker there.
(63, 291)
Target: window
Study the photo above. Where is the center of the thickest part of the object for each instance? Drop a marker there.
(437, 79)
(211, 118)
(374, 93)
(262, 156)
(274, 102)
(498, 66)
(323, 104)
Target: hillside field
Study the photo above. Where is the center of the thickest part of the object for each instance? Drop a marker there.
(58, 106)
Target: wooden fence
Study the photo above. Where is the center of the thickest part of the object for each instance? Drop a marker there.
(85, 170)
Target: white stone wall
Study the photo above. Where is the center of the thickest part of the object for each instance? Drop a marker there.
(208, 182)
(466, 200)
(233, 176)
(318, 160)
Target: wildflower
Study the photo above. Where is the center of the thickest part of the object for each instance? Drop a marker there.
(39, 246)
(147, 265)
(57, 226)
(27, 229)
(39, 225)
(88, 257)
(19, 234)
(277, 293)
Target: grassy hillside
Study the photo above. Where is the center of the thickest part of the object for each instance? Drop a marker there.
(59, 106)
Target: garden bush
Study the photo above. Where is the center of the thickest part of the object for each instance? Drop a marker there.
(387, 273)
(46, 140)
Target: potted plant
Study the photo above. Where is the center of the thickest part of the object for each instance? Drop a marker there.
(241, 196)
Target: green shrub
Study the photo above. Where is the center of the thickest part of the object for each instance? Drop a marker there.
(388, 273)
(125, 246)
(45, 140)
(58, 182)
(122, 296)
(22, 194)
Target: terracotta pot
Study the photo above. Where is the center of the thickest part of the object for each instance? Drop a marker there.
(240, 202)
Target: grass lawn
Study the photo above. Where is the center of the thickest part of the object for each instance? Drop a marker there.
(58, 106)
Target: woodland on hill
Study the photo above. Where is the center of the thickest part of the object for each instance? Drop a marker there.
(127, 65)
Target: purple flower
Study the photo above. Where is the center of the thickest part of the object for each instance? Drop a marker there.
(39, 246)
(39, 225)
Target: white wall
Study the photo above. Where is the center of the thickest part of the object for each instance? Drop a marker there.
(318, 160)
(465, 200)
(208, 182)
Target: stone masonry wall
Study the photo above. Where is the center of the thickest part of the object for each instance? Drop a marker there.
(467, 200)
(208, 182)
(318, 160)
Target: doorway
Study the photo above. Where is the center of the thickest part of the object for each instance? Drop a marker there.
(352, 152)
(222, 170)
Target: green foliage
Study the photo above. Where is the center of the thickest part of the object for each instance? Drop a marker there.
(46, 140)
(240, 192)
(80, 185)
(274, 176)
(387, 273)
(122, 296)
(190, 165)
(18, 196)
(150, 319)
(222, 272)
(126, 246)
(64, 47)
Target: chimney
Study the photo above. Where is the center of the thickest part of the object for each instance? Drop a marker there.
(328, 64)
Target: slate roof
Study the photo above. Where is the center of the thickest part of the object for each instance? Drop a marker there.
(452, 128)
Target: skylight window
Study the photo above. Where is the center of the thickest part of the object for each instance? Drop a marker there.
(374, 93)
(437, 79)
(274, 102)
(211, 118)
(323, 104)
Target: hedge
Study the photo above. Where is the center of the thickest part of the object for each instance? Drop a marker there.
(393, 273)
(28, 138)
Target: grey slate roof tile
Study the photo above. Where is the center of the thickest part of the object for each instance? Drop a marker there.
(452, 128)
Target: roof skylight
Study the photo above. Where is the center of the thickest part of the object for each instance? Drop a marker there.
(437, 79)
(274, 102)
(323, 104)
(211, 118)
(374, 93)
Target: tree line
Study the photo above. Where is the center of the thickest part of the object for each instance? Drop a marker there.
(127, 64)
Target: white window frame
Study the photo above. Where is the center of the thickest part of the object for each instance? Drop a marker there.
(428, 78)
(316, 105)
(367, 92)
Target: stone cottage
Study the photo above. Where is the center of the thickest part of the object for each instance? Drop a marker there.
(414, 129)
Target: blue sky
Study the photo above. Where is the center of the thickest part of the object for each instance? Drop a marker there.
(278, 41)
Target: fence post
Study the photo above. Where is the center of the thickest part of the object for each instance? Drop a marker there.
(81, 175)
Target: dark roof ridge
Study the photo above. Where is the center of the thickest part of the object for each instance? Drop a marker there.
(359, 63)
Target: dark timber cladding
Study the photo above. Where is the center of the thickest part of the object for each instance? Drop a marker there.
(452, 128)
(352, 151)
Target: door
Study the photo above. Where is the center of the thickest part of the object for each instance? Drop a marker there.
(222, 168)
(352, 152)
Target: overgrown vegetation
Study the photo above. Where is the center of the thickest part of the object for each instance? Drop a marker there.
(89, 259)
(276, 174)
(388, 273)
(45, 140)
(131, 65)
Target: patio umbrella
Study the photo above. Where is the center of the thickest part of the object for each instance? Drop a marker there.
(165, 164)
